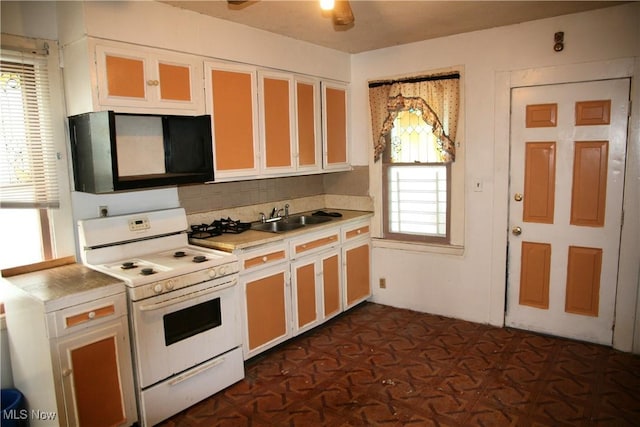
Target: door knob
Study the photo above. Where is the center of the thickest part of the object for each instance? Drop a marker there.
(517, 197)
(516, 231)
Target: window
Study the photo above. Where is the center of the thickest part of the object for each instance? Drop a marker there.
(415, 121)
(416, 181)
(34, 224)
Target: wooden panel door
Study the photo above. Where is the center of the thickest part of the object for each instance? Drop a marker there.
(267, 306)
(309, 145)
(122, 76)
(276, 121)
(357, 277)
(334, 120)
(231, 102)
(305, 280)
(568, 145)
(97, 377)
(331, 285)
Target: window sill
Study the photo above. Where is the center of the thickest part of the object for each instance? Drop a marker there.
(418, 247)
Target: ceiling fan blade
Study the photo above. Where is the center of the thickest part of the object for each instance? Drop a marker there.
(342, 13)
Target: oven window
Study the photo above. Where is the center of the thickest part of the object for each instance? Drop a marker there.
(191, 321)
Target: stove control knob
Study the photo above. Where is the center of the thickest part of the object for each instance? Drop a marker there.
(224, 270)
(169, 285)
(213, 273)
(157, 288)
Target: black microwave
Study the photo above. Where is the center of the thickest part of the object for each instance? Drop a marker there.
(121, 151)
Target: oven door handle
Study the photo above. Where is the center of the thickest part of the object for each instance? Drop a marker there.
(198, 371)
(187, 297)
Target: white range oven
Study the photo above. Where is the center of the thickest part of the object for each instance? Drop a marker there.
(184, 307)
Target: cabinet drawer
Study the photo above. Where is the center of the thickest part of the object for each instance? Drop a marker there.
(313, 243)
(355, 230)
(256, 259)
(86, 315)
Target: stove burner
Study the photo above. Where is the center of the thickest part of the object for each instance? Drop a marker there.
(218, 227)
(179, 254)
(147, 271)
(128, 265)
(199, 258)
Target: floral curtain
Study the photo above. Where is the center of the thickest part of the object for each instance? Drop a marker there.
(437, 97)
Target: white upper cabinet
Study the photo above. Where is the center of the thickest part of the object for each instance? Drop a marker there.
(231, 100)
(289, 123)
(334, 126)
(148, 79)
(101, 75)
(264, 123)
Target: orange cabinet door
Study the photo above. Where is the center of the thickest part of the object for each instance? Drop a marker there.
(266, 309)
(174, 81)
(97, 376)
(357, 275)
(335, 126)
(305, 294)
(331, 285)
(125, 76)
(231, 101)
(276, 120)
(307, 121)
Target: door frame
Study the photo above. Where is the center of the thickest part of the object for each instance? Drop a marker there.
(627, 316)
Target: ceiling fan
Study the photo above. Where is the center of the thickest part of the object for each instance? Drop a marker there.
(340, 9)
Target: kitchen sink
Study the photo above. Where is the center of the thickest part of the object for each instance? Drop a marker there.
(307, 219)
(276, 226)
(287, 224)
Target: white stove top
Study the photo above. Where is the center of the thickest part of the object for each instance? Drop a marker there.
(153, 267)
(148, 247)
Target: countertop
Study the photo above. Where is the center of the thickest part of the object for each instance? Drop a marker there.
(251, 238)
(66, 285)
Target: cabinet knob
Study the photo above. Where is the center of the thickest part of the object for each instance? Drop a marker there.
(66, 372)
(265, 259)
(153, 82)
(91, 315)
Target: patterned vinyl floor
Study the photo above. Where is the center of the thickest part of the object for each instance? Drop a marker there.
(382, 366)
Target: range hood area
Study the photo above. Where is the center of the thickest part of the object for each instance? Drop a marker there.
(116, 151)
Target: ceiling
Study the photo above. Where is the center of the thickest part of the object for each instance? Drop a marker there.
(379, 24)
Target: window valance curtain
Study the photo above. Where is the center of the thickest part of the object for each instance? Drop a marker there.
(436, 96)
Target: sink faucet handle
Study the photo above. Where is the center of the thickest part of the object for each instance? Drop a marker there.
(263, 217)
(273, 212)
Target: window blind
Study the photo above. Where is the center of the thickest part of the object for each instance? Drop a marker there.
(28, 177)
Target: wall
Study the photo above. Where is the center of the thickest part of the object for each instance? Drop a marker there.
(472, 285)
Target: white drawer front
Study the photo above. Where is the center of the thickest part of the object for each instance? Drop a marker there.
(86, 315)
(354, 231)
(256, 259)
(314, 242)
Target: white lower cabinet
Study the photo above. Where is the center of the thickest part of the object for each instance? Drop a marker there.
(297, 284)
(264, 280)
(72, 357)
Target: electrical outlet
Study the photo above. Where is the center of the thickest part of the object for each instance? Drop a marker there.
(383, 283)
(103, 211)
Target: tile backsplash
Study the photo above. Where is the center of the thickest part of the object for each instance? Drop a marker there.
(244, 200)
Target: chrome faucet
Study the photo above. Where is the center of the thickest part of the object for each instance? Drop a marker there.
(276, 214)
